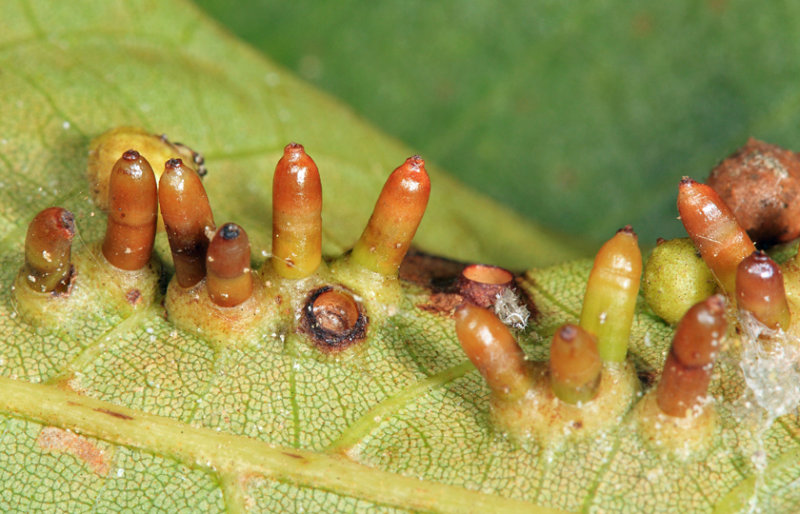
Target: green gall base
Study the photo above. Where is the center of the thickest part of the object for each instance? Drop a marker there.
(685, 439)
(540, 416)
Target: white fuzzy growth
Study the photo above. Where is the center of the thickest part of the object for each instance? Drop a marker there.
(511, 310)
(770, 367)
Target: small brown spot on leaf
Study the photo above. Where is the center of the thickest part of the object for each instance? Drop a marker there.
(114, 414)
(442, 303)
(647, 377)
(56, 440)
(134, 296)
(294, 455)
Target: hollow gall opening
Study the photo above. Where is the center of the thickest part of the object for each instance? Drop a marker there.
(335, 312)
(484, 274)
(334, 319)
(481, 284)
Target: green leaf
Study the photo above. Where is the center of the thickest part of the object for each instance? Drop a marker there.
(568, 99)
(118, 409)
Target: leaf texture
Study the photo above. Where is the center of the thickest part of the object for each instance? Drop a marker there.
(115, 409)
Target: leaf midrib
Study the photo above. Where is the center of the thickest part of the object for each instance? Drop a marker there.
(229, 456)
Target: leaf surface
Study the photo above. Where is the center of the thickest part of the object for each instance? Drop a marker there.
(120, 410)
(569, 100)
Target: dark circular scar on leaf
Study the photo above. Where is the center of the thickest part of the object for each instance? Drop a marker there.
(333, 319)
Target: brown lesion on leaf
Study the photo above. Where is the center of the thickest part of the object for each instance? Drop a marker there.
(436, 274)
(56, 440)
(647, 377)
(333, 319)
(430, 271)
(450, 282)
(114, 414)
(442, 303)
(133, 296)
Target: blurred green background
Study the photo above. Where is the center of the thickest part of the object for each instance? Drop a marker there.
(582, 116)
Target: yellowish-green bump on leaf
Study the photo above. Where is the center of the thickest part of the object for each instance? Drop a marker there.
(684, 438)
(541, 417)
(381, 293)
(95, 286)
(675, 278)
(125, 290)
(193, 310)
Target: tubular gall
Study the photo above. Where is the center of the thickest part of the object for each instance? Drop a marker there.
(187, 219)
(493, 350)
(48, 247)
(716, 234)
(687, 371)
(610, 299)
(296, 214)
(229, 279)
(481, 284)
(133, 211)
(395, 219)
(575, 365)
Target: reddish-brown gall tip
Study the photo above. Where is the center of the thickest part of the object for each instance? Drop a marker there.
(133, 210)
(48, 247)
(187, 219)
(760, 291)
